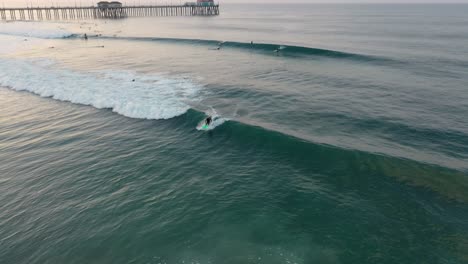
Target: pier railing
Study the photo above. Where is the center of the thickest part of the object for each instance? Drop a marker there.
(76, 13)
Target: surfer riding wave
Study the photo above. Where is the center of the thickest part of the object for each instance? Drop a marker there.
(211, 121)
(208, 120)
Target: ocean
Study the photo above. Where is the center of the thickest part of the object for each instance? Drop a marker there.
(342, 137)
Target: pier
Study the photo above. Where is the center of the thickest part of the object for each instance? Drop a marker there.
(96, 12)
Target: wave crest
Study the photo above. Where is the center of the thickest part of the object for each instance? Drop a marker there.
(127, 93)
(285, 50)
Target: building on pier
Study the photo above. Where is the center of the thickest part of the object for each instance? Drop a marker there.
(205, 2)
(111, 9)
(201, 3)
(103, 4)
(113, 4)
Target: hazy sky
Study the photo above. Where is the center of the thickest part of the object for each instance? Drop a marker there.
(92, 2)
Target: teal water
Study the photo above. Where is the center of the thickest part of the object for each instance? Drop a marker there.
(347, 146)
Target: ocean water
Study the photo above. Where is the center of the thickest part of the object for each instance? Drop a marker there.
(349, 145)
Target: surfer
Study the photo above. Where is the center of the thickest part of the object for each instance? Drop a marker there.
(85, 37)
(208, 120)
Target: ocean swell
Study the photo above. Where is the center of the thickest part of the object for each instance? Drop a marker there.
(48, 31)
(446, 181)
(125, 92)
(283, 50)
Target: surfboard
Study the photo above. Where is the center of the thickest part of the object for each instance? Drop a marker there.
(203, 126)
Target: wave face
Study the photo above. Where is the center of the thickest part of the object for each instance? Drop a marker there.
(161, 184)
(450, 183)
(34, 30)
(125, 92)
(270, 48)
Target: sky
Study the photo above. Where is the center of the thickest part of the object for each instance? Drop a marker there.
(21, 3)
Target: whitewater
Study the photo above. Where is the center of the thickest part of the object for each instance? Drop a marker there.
(126, 93)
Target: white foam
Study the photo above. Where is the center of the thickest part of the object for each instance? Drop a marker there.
(216, 122)
(34, 30)
(149, 96)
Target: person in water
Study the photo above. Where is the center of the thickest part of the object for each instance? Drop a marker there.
(208, 120)
(85, 36)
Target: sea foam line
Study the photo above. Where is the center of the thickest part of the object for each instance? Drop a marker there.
(125, 92)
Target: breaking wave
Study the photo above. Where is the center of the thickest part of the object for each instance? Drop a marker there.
(284, 50)
(125, 92)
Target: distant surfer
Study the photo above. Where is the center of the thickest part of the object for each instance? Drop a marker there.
(85, 37)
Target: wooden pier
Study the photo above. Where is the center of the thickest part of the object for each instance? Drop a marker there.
(76, 13)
